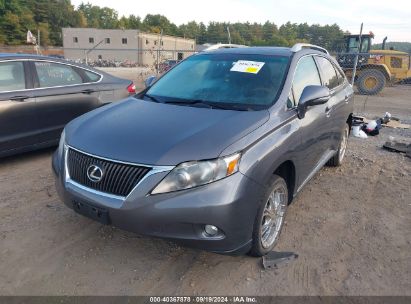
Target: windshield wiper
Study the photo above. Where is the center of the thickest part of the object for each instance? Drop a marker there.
(152, 98)
(211, 105)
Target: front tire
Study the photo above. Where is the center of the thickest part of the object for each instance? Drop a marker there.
(371, 82)
(270, 217)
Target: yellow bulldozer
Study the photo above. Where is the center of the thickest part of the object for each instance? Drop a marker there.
(375, 68)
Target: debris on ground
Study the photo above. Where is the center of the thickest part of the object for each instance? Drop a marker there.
(396, 146)
(357, 132)
(274, 259)
(396, 124)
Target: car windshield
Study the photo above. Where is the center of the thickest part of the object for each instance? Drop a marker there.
(230, 80)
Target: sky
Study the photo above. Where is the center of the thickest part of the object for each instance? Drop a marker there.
(383, 18)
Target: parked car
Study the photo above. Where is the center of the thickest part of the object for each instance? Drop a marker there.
(166, 65)
(40, 95)
(212, 153)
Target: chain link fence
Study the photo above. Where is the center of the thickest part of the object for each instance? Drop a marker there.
(369, 71)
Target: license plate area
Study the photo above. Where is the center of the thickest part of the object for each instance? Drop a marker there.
(95, 213)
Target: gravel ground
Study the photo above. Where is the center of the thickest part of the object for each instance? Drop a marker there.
(350, 227)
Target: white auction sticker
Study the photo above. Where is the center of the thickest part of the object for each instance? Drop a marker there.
(245, 66)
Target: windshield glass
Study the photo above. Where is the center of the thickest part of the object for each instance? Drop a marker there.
(230, 79)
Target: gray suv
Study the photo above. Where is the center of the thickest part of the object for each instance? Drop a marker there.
(211, 154)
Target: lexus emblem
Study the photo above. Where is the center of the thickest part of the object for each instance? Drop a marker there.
(94, 173)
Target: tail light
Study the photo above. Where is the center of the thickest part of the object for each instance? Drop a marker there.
(131, 88)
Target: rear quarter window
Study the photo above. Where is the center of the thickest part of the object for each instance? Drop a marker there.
(92, 77)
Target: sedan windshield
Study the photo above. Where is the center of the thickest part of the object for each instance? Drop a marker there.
(223, 80)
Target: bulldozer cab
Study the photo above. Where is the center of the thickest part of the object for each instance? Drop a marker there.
(350, 46)
(352, 43)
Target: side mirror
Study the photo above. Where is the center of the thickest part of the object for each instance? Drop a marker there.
(149, 81)
(312, 95)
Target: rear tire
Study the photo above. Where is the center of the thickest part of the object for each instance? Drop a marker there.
(270, 217)
(371, 82)
(338, 158)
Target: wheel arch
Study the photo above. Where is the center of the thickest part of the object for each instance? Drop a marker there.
(286, 170)
(380, 67)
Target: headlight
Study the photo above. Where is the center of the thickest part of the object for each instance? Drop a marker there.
(196, 173)
(60, 149)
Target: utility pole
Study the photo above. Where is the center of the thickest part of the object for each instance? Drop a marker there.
(354, 71)
(229, 35)
(86, 52)
(160, 39)
(38, 42)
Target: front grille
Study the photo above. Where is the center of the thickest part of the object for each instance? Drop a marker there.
(118, 179)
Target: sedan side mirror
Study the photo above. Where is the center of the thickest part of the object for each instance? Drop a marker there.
(312, 95)
(149, 81)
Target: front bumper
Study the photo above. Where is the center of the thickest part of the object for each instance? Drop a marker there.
(230, 204)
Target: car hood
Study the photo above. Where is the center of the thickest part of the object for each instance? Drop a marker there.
(151, 133)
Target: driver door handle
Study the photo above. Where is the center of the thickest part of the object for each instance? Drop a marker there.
(19, 98)
(87, 91)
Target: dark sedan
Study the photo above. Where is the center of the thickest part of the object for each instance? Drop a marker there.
(40, 95)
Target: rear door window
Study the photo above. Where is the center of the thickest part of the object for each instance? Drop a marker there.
(52, 74)
(328, 73)
(306, 74)
(12, 76)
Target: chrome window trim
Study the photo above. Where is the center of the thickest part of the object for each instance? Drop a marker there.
(67, 179)
(56, 62)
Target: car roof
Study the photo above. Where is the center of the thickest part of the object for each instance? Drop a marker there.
(11, 56)
(258, 50)
(25, 56)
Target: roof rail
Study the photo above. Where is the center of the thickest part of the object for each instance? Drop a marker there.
(299, 46)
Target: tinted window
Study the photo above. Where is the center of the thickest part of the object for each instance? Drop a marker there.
(328, 73)
(220, 78)
(93, 77)
(12, 76)
(54, 74)
(306, 74)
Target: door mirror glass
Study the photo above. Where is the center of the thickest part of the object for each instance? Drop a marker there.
(149, 81)
(312, 95)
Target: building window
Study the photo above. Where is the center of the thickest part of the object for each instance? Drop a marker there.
(75, 39)
(91, 40)
(155, 42)
(162, 42)
(124, 40)
(100, 57)
(192, 46)
(107, 40)
(147, 41)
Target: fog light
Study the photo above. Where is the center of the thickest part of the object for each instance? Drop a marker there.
(211, 230)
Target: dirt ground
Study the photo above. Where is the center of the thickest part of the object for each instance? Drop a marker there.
(350, 227)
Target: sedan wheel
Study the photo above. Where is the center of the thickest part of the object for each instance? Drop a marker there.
(270, 217)
(273, 216)
(343, 145)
